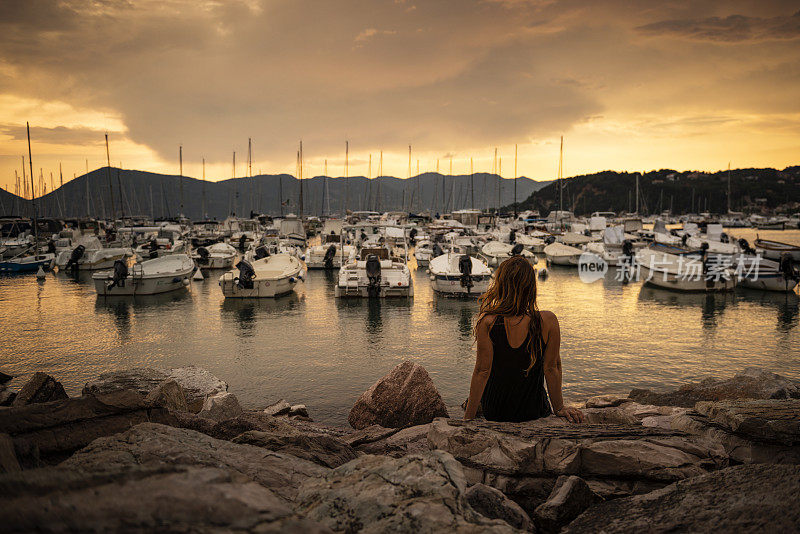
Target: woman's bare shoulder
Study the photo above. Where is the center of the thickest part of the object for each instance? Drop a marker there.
(487, 320)
(549, 319)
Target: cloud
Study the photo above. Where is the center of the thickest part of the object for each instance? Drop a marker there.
(731, 29)
(60, 135)
(369, 33)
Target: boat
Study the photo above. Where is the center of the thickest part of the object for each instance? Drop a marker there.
(150, 277)
(216, 256)
(263, 276)
(683, 272)
(89, 255)
(774, 250)
(27, 264)
(423, 252)
(496, 253)
(534, 244)
(291, 231)
(615, 249)
(375, 274)
(561, 254)
(455, 273)
(166, 242)
(332, 251)
(15, 246)
(755, 272)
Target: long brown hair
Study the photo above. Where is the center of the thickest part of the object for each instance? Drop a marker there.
(512, 293)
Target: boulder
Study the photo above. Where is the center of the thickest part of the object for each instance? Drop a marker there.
(279, 408)
(196, 382)
(744, 498)
(404, 397)
(320, 449)
(491, 503)
(7, 397)
(298, 410)
(519, 458)
(8, 457)
(220, 407)
(752, 383)
(168, 394)
(40, 388)
(137, 499)
(399, 443)
(416, 493)
(570, 497)
(155, 446)
(49, 432)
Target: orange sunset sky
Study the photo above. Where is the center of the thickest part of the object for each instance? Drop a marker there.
(630, 85)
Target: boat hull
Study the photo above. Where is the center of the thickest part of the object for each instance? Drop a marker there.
(215, 262)
(454, 287)
(31, 266)
(676, 282)
(260, 289)
(142, 286)
(769, 282)
(363, 292)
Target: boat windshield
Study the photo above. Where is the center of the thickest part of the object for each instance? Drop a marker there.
(381, 253)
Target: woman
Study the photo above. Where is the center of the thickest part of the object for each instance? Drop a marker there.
(518, 350)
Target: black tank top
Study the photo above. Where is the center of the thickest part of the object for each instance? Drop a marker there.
(510, 394)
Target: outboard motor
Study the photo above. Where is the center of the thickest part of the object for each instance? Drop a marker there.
(512, 236)
(120, 274)
(373, 268)
(724, 238)
(627, 248)
(704, 250)
(363, 236)
(327, 261)
(587, 233)
(51, 247)
(261, 252)
(203, 253)
(788, 269)
(437, 250)
(242, 241)
(685, 237)
(246, 275)
(549, 240)
(517, 249)
(465, 267)
(412, 236)
(153, 248)
(77, 254)
(746, 248)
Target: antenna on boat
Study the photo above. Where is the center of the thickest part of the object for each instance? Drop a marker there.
(110, 185)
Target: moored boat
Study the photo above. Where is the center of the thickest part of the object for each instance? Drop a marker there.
(263, 277)
(774, 250)
(683, 272)
(150, 277)
(454, 273)
(561, 254)
(216, 256)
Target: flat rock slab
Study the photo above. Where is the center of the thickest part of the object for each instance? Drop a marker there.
(154, 445)
(762, 420)
(323, 450)
(197, 383)
(416, 493)
(752, 383)
(139, 499)
(745, 498)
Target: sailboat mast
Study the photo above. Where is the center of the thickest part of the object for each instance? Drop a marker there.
(560, 178)
(300, 174)
(235, 186)
(471, 184)
(326, 198)
(180, 170)
(204, 189)
(729, 187)
(33, 198)
(346, 176)
(380, 173)
(110, 185)
(637, 193)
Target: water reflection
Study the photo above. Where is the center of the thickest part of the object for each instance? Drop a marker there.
(786, 304)
(463, 310)
(245, 313)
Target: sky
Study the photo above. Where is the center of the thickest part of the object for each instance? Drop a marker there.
(630, 85)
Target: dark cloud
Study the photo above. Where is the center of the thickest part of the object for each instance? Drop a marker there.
(59, 135)
(731, 29)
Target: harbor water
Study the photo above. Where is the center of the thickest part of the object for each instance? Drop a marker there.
(309, 347)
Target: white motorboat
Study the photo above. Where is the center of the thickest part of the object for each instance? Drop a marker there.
(165, 243)
(266, 276)
(755, 272)
(683, 272)
(423, 252)
(561, 254)
(216, 256)
(375, 273)
(496, 253)
(534, 244)
(332, 252)
(292, 231)
(459, 274)
(615, 249)
(15, 246)
(89, 255)
(159, 275)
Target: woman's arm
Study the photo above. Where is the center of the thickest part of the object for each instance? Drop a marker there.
(483, 366)
(552, 368)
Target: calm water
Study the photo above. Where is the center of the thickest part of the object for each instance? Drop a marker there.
(310, 348)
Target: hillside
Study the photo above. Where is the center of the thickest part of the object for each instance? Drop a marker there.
(159, 195)
(752, 190)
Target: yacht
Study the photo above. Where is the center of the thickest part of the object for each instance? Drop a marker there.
(216, 256)
(150, 277)
(263, 275)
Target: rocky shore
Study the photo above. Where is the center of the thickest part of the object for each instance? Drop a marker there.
(173, 450)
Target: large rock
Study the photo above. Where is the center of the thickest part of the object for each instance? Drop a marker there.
(168, 394)
(197, 383)
(49, 432)
(747, 498)
(570, 497)
(492, 503)
(399, 443)
(404, 397)
(524, 459)
(138, 499)
(40, 388)
(755, 431)
(220, 407)
(154, 445)
(752, 383)
(324, 450)
(419, 493)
